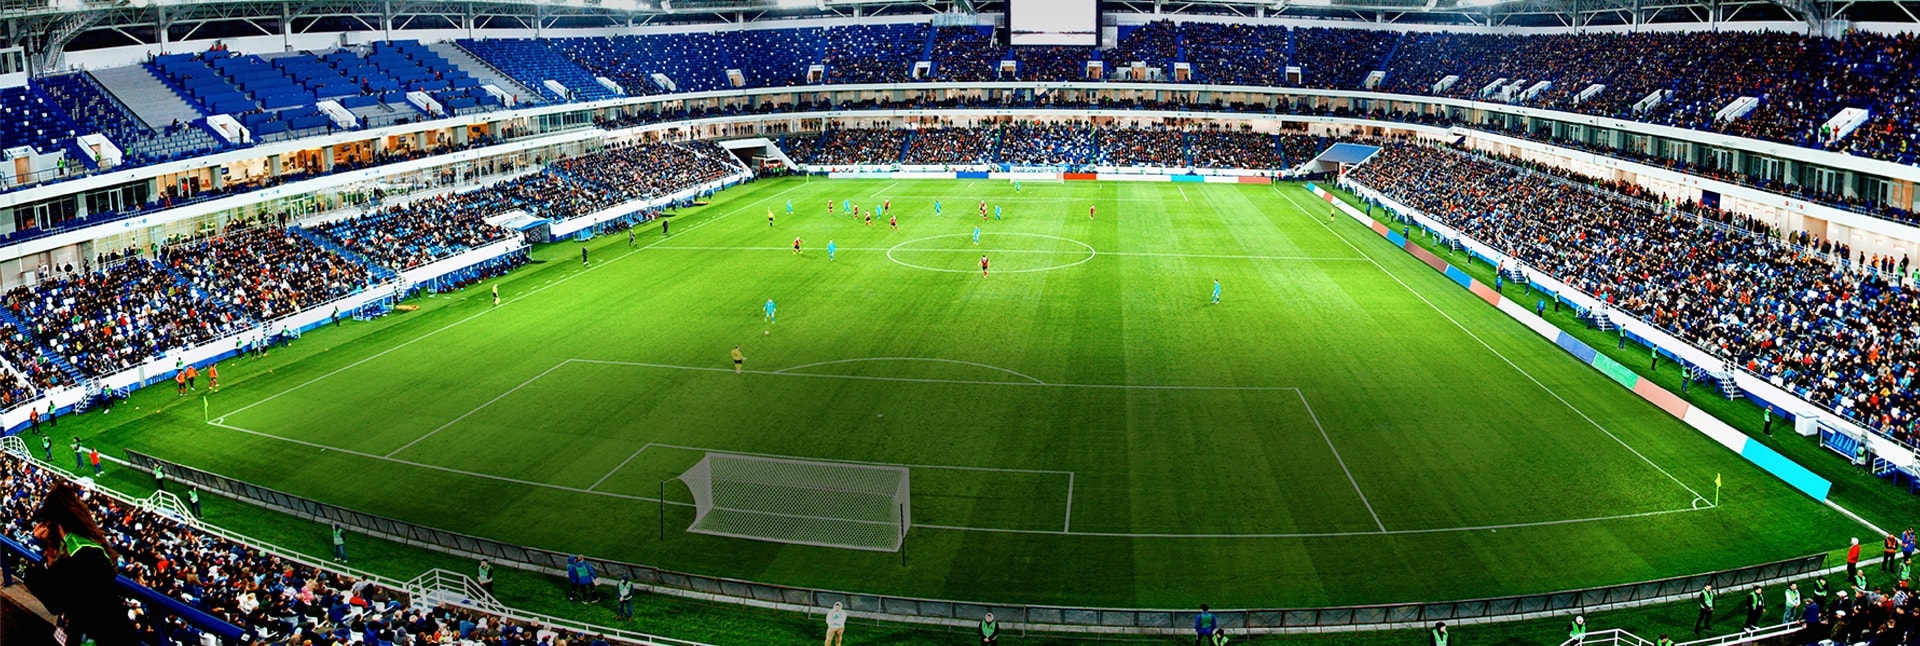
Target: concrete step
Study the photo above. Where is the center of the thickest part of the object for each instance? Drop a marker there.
(143, 93)
(485, 73)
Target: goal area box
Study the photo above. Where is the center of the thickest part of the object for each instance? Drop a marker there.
(804, 502)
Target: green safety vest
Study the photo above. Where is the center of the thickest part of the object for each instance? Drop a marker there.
(1820, 587)
(626, 589)
(157, 473)
(486, 573)
(1439, 637)
(1576, 629)
(1906, 570)
(76, 542)
(193, 496)
(989, 628)
(339, 536)
(1793, 598)
(1754, 600)
(1706, 599)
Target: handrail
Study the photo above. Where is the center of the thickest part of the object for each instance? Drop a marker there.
(964, 613)
(12, 444)
(196, 617)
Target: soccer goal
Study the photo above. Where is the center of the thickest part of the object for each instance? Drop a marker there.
(828, 504)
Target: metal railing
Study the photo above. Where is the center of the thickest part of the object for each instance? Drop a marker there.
(1618, 637)
(964, 613)
(441, 587)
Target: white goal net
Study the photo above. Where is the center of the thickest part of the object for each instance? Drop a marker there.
(829, 504)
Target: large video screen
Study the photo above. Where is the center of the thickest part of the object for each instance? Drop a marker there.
(1054, 22)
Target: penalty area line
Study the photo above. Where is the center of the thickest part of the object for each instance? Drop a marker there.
(1497, 353)
(529, 294)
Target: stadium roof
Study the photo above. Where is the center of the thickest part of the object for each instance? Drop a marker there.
(43, 26)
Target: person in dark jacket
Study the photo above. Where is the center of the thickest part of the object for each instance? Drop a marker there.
(76, 580)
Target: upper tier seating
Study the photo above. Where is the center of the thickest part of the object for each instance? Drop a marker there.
(533, 61)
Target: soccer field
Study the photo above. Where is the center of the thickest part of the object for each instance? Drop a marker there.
(1082, 426)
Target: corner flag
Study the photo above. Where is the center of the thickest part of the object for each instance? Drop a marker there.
(1716, 490)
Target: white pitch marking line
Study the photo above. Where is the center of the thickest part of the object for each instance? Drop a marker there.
(1503, 357)
(1394, 532)
(963, 382)
(434, 467)
(1342, 461)
(1142, 254)
(883, 189)
(1015, 373)
(1183, 193)
(950, 467)
(547, 485)
(481, 313)
(616, 469)
(477, 409)
(1068, 526)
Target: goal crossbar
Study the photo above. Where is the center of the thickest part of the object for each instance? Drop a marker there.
(805, 502)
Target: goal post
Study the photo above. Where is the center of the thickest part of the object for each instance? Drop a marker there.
(804, 502)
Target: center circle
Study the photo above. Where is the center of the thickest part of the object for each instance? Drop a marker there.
(1068, 255)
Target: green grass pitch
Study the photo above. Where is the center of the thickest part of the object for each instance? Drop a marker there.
(1082, 425)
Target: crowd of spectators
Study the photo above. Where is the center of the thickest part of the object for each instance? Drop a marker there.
(413, 234)
(1808, 317)
(272, 599)
(882, 53)
(951, 146)
(860, 146)
(638, 171)
(36, 374)
(965, 54)
(1052, 145)
(1236, 54)
(1234, 149)
(107, 320)
(264, 271)
(1053, 63)
(1141, 147)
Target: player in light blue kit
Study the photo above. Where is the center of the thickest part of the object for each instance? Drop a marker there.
(996, 211)
(846, 206)
(1216, 291)
(936, 207)
(830, 250)
(1016, 186)
(976, 235)
(789, 207)
(769, 311)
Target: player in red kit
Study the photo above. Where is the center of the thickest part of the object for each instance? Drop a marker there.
(983, 266)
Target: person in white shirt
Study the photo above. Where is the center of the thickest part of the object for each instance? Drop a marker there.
(836, 624)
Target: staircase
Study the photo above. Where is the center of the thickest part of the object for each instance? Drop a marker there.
(380, 272)
(483, 72)
(146, 96)
(73, 372)
(1388, 59)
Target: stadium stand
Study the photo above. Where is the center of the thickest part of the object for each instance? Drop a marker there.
(531, 62)
(273, 599)
(637, 172)
(1808, 317)
(966, 54)
(113, 318)
(1141, 147)
(1226, 149)
(410, 235)
(1055, 145)
(861, 146)
(266, 272)
(874, 53)
(951, 146)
